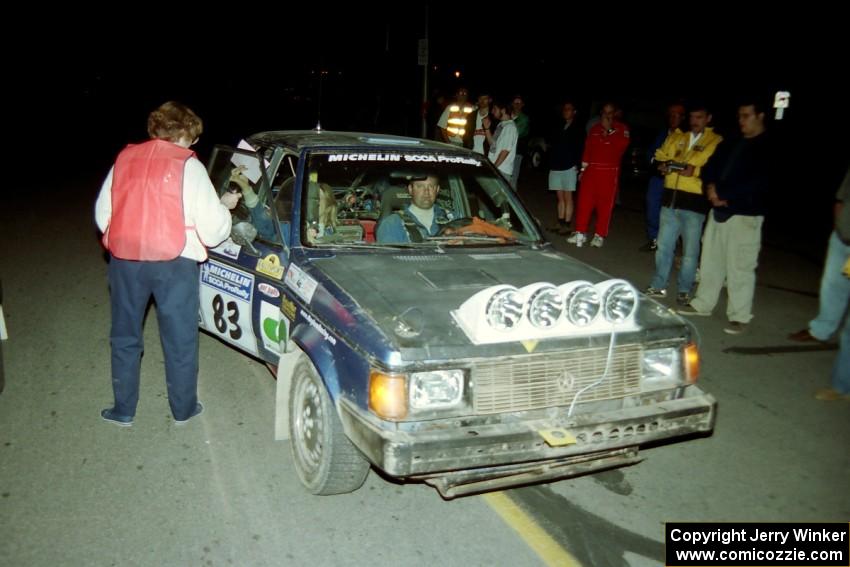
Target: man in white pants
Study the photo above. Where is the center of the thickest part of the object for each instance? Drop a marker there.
(737, 181)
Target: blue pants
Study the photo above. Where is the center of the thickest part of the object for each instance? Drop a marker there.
(675, 222)
(841, 368)
(834, 298)
(174, 286)
(834, 291)
(654, 192)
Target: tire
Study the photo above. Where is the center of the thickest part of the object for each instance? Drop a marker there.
(536, 159)
(325, 460)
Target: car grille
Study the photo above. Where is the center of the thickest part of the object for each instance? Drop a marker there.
(547, 380)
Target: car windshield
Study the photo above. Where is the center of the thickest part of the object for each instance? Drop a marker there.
(409, 198)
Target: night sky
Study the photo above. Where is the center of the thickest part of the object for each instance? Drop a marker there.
(249, 69)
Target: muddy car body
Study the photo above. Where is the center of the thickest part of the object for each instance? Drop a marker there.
(474, 358)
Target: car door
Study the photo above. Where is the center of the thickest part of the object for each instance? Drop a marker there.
(241, 283)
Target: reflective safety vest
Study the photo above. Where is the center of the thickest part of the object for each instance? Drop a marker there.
(147, 221)
(457, 119)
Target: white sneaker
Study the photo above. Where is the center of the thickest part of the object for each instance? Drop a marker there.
(577, 238)
(597, 241)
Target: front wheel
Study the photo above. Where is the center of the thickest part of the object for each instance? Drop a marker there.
(325, 460)
(536, 159)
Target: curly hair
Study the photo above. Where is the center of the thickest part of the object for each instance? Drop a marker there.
(173, 121)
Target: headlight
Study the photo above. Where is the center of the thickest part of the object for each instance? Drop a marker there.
(545, 307)
(582, 303)
(619, 301)
(661, 368)
(504, 310)
(436, 389)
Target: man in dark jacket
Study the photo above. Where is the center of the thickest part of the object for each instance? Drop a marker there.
(736, 180)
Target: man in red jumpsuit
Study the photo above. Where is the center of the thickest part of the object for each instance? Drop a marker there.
(600, 171)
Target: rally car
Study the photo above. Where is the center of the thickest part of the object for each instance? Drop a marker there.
(472, 358)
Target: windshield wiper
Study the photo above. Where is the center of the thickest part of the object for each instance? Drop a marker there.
(472, 238)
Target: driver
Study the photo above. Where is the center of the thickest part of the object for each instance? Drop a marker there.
(418, 220)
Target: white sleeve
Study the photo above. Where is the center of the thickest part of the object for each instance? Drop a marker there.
(507, 139)
(203, 210)
(103, 205)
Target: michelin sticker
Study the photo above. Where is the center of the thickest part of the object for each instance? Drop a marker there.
(430, 158)
(275, 328)
(301, 283)
(226, 295)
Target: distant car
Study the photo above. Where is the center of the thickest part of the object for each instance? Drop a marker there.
(536, 152)
(476, 359)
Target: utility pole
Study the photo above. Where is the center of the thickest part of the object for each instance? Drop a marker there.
(423, 60)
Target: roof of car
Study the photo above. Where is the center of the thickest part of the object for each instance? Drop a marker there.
(300, 139)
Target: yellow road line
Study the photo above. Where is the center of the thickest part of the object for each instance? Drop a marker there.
(536, 537)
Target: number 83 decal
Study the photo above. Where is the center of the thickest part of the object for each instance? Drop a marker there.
(232, 317)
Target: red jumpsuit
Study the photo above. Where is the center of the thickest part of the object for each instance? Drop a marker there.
(602, 154)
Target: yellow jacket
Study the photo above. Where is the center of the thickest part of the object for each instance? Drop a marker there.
(675, 148)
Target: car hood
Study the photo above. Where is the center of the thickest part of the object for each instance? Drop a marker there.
(410, 297)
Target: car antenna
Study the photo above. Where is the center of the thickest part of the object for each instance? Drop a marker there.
(319, 109)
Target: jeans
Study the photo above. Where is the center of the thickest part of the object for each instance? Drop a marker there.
(174, 286)
(841, 368)
(515, 174)
(676, 222)
(654, 192)
(834, 291)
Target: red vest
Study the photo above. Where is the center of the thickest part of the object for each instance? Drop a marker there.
(147, 221)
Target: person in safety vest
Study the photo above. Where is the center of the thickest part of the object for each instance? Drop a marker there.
(158, 212)
(454, 123)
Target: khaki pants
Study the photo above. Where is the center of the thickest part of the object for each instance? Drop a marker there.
(730, 252)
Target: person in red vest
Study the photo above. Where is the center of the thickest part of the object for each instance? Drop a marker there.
(158, 212)
(606, 142)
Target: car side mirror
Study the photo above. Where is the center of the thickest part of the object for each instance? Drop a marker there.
(244, 233)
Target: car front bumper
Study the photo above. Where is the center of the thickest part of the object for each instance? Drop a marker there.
(474, 454)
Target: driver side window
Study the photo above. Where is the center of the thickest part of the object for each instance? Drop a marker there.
(241, 171)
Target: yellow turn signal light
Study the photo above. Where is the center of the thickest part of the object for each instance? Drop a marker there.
(388, 395)
(691, 363)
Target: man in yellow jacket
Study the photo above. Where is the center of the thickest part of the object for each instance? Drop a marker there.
(684, 206)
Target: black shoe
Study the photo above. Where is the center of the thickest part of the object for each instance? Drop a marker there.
(803, 336)
(735, 328)
(199, 409)
(650, 246)
(122, 420)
